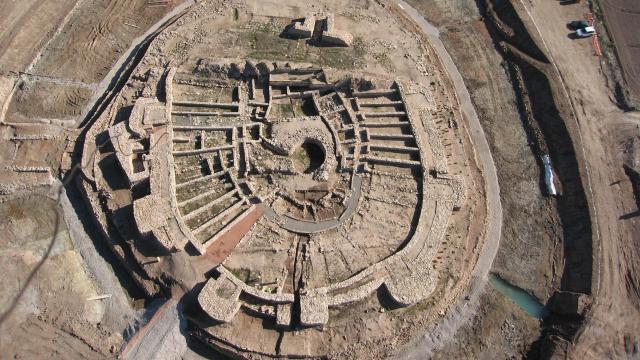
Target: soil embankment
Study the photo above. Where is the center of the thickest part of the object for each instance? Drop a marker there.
(546, 245)
(544, 111)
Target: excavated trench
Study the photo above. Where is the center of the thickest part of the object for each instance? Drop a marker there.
(540, 111)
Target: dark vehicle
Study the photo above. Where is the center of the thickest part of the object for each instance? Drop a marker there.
(578, 24)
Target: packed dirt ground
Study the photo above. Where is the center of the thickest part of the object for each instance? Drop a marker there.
(600, 132)
(530, 247)
(536, 91)
(621, 48)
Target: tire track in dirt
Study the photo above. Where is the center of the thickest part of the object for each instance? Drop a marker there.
(6, 40)
(94, 50)
(55, 34)
(101, 30)
(76, 99)
(36, 339)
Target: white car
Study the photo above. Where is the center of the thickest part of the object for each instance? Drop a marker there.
(585, 32)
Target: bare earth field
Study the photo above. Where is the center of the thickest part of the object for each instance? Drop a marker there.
(50, 283)
(25, 27)
(618, 14)
(97, 34)
(602, 127)
(65, 63)
(85, 276)
(599, 122)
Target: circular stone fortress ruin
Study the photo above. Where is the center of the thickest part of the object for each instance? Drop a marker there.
(301, 180)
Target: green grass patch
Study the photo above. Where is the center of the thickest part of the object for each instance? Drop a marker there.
(266, 44)
(301, 159)
(247, 276)
(283, 110)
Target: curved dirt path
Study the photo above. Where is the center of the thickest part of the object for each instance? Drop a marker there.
(437, 335)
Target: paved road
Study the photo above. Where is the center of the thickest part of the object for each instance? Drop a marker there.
(437, 335)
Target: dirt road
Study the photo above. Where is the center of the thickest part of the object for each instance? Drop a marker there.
(612, 324)
(438, 334)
